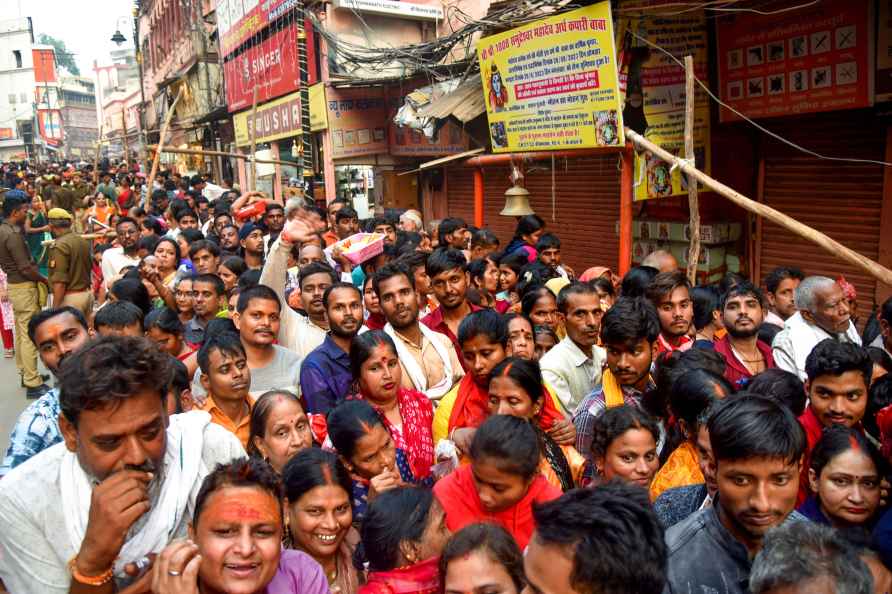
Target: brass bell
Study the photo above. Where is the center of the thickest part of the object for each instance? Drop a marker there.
(517, 202)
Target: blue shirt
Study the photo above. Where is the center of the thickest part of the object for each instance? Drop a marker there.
(36, 429)
(325, 377)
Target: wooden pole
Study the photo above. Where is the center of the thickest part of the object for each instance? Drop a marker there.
(124, 136)
(96, 159)
(150, 181)
(872, 268)
(626, 200)
(252, 174)
(693, 200)
(212, 153)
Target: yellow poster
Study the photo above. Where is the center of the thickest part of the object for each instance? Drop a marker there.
(653, 85)
(318, 108)
(552, 84)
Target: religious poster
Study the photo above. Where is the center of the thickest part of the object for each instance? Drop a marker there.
(552, 84)
(653, 86)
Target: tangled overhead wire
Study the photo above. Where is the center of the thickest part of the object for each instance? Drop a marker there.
(430, 57)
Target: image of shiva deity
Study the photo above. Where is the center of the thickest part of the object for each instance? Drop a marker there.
(498, 92)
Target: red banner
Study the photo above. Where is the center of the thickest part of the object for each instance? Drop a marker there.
(239, 20)
(805, 61)
(271, 66)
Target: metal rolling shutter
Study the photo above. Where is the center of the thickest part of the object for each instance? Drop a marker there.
(840, 199)
(586, 205)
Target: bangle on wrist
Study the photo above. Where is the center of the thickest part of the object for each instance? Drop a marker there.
(89, 580)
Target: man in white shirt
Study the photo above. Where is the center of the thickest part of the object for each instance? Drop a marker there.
(573, 366)
(257, 318)
(823, 313)
(780, 290)
(90, 510)
(427, 358)
(117, 258)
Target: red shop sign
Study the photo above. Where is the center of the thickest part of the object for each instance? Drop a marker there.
(239, 20)
(805, 61)
(271, 66)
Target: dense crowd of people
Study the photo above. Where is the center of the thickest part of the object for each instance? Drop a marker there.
(238, 406)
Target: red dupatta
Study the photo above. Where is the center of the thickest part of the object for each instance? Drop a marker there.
(421, 578)
(471, 407)
(416, 437)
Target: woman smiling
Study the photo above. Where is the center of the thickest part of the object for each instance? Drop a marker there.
(320, 515)
(235, 544)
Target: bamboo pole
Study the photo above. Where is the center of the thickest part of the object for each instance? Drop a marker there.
(213, 153)
(154, 171)
(96, 158)
(872, 268)
(109, 234)
(693, 199)
(252, 175)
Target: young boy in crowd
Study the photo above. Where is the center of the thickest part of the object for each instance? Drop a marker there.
(549, 250)
(670, 294)
(629, 333)
(226, 379)
(757, 449)
(838, 381)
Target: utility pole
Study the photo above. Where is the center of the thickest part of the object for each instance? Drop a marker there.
(142, 95)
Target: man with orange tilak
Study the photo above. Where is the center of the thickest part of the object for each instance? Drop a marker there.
(119, 488)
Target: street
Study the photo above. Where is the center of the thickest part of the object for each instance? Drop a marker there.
(13, 400)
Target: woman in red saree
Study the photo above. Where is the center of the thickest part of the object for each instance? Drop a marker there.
(501, 483)
(403, 535)
(483, 337)
(407, 414)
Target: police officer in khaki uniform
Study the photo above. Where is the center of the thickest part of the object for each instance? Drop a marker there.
(69, 264)
(23, 279)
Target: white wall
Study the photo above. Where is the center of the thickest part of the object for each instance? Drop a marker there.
(15, 83)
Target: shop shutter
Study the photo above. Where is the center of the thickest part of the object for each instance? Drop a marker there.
(586, 205)
(842, 200)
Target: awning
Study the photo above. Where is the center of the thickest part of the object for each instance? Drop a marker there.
(444, 160)
(464, 103)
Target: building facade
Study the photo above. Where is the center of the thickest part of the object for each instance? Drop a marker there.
(16, 89)
(179, 56)
(78, 107)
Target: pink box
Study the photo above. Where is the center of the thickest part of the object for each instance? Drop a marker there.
(374, 245)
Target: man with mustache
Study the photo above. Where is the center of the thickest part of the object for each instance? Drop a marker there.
(57, 333)
(573, 366)
(226, 380)
(757, 449)
(88, 515)
(428, 361)
(823, 313)
(743, 310)
(670, 293)
(837, 385)
(325, 376)
(257, 318)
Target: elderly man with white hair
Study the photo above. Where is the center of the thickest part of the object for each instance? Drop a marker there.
(823, 313)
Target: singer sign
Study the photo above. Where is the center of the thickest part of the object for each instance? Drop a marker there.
(271, 66)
